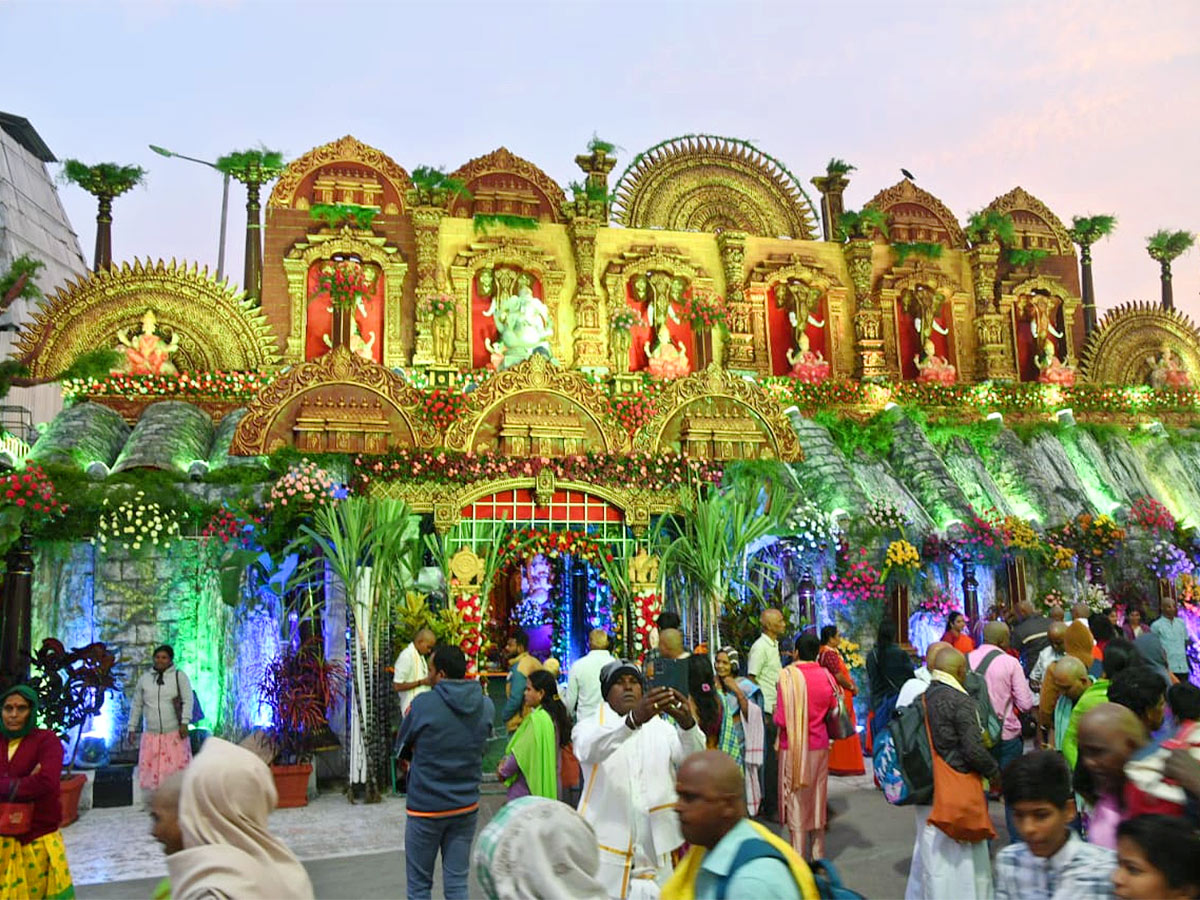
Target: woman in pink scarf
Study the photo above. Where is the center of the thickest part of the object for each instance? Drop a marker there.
(806, 695)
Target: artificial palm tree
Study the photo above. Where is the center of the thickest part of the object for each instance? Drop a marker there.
(253, 168)
(104, 181)
(1085, 231)
(1164, 246)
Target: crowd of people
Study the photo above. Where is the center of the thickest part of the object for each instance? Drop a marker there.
(669, 780)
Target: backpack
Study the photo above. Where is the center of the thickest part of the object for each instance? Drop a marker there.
(902, 761)
(829, 883)
(976, 686)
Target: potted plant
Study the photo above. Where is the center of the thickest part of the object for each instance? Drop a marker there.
(298, 686)
(71, 687)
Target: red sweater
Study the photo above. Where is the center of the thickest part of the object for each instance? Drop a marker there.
(38, 747)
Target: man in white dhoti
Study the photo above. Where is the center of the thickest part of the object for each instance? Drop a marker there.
(629, 754)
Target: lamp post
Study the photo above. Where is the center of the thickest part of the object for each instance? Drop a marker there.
(162, 151)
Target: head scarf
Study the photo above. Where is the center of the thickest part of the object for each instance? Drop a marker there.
(29, 694)
(1078, 642)
(538, 849)
(1151, 651)
(227, 795)
(614, 670)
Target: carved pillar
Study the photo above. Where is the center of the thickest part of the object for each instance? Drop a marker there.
(868, 318)
(1089, 289)
(740, 352)
(832, 206)
(103, 255)
(596, 166)
(591, 333)
(253, 267)
(427, 222)
(993, 337)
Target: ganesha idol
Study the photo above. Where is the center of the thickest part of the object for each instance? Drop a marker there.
(808, 367)
(1052, 370)
(666, 360)
(934, 369)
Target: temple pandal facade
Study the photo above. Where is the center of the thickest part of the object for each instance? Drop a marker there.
(706, 264)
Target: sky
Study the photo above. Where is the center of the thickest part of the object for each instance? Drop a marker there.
(1090, 106)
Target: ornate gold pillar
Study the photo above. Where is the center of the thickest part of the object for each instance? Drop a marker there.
(427, 222)
(871, 364)
(832, 206)
(741, 353)
(993, 337)
(591, 331)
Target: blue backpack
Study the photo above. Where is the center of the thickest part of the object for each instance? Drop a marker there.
(829, 883)
(902, 760)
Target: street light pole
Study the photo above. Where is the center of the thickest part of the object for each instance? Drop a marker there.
(162, 151)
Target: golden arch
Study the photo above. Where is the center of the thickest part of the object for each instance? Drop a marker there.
(258, 432)
(88, 313)
(1055, 237)
(1131, 339)
(716, 383)
(346, 149)
(708, 183)
(902, 201)
(368, 248)
(535, 375)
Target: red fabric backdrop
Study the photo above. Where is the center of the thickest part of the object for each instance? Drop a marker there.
(779, 333)
(910, 343)
(640, 335)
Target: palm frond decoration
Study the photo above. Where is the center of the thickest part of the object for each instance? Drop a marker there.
(1165, 245)
(254, 166)
(1030, 259)
(905, 249)
(334, 214)
(837, 166)
(434, 186)
(596, 145)
(104, 179)
(20, 280)
(1086, 230)
(483, 222)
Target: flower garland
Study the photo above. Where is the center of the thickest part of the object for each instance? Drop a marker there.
(442, 407)
(470, 608)
(235, 386)
(304, 485)
(1168, 561)
(659, 472)
(525, 543)
(136, 523)
(634, 409)
(646, 608)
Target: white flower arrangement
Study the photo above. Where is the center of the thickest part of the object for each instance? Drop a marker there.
(136, 523)
(1096, 598)
(811, 530)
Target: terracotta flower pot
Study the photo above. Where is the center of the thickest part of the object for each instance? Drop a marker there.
(69, 790)
(292, 784)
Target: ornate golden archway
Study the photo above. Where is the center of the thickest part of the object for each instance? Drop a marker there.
(1130, 342)
(218, 329)
(367, 247)
(708, 183)
(914, 214)
(1036, 226)
(285, 194)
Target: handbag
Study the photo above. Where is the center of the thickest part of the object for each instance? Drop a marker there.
(572, 773)
(16, 818)
(177, 702)
(959, 809)
(838, 720)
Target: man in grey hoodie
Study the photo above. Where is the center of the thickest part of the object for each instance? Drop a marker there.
(443, 735)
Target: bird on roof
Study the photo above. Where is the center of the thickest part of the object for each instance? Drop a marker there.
(907, 174)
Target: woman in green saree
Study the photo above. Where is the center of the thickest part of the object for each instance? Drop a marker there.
(532, 759)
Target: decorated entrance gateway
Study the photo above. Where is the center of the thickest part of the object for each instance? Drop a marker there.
(472, 402)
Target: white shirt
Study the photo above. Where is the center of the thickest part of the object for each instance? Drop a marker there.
(629, 797)
(914, 687)
(1045, 659)
(764, 666)
(583, 684)
(410, 666)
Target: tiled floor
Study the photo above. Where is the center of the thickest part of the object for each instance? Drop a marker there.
(115, 844)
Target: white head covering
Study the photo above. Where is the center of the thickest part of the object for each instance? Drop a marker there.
(538, 849)
(228, 851)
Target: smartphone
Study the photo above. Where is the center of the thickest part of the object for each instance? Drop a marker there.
(671, 673)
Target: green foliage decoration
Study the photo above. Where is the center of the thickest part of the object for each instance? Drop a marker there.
(989, 226)
(334, 214)
(837, 166)
(905, 249)
(1165, 245)
(596, 145)
(434, 186)
(1022, 258)
(484, 222)
(97, 363)
(855, 224)
(254, 166)
(874, 437)
(22, 271)
(105, 179)
(1086, 230)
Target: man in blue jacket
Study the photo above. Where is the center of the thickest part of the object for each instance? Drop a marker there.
(443, 735)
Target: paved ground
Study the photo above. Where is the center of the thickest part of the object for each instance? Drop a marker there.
(870, 842)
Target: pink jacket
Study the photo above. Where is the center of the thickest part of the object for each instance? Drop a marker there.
(1007, 687)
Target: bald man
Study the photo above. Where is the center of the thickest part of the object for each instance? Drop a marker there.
(583, 695)
(763, 668)
(1071, 679)
(670, 644)
(948, 869)
(1008, 691)
(411, 673)
(1109, 735)
(711, 806)
(915, 686)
